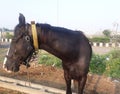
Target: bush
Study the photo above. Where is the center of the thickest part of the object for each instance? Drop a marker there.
(113, 68)
(49, 59)
(98, 64)
(114, 54)
(8, 35)
(113, 64)
(108, 64)
(100, 39)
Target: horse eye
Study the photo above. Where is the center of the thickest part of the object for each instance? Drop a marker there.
(27, 38)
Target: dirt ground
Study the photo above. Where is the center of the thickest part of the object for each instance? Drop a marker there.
(53, 77)
(102, 50)
(45, 75)
(8, 91)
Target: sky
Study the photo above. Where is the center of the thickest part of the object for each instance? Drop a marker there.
(89, 16)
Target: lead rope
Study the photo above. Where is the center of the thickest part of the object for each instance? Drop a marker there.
(28, 75)
(27, 66)
(28, 78)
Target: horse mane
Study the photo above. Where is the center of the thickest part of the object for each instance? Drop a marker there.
(44, 26)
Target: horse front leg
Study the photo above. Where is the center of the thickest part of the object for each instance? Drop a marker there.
(81, 84)
(68, 82)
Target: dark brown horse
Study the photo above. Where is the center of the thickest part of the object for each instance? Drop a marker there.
(72, 47)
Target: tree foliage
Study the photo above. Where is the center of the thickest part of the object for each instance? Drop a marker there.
(100, 39)
(8, 35)
(107, 33)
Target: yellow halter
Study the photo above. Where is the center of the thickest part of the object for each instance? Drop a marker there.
(34, 33)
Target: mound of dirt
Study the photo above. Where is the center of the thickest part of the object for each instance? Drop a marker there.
(53, 77)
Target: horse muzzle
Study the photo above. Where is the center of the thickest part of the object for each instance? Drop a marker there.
(11, 69)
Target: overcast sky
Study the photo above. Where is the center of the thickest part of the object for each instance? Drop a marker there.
(89, 16)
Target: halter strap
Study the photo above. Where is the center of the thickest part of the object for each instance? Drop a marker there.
(34, 33)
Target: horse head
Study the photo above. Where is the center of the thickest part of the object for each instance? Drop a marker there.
(21, 47)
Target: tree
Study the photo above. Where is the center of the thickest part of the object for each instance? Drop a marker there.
(107, 33)
(8, 35)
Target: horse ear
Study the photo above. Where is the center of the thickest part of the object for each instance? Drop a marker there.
(21, 19)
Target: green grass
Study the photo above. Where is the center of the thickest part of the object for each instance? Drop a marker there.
(108, 64)
(48, 59)
(3, 52)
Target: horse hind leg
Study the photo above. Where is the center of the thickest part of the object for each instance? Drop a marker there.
(68, 82)
(81, 84)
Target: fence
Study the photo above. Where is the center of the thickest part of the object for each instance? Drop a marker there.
(6, 40)
(94, 44)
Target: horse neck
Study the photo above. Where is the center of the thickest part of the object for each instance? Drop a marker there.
(45, 38)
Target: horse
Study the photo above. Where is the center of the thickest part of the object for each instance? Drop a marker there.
(72, 47)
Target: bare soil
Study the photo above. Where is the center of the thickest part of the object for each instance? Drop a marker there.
(53, 77)
(8, 91)
(102, 50)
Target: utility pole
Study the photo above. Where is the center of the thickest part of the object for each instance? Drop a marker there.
(57, 12)
(116, 25)
(0, 36)
(115, 31)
